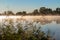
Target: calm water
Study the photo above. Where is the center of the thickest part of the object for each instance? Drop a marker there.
(46, 22)
(54, 28)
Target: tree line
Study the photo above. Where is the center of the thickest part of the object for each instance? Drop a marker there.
(41, 11)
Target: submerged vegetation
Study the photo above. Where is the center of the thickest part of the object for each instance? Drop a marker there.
(41, 11)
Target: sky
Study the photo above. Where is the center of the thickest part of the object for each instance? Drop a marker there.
(27, 5)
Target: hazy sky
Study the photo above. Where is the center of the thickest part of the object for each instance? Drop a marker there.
(27, 5)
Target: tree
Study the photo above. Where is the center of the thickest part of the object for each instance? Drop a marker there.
(42, 10)
(19, 13)
(54, 12)
(48, 11)
(24, 12)
(45, 11)
(58, 10)
(8, 13)
(35, 12)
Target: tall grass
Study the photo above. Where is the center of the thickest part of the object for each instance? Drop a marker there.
(18, 32)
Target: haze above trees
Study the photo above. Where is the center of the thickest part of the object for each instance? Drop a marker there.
(41, 11)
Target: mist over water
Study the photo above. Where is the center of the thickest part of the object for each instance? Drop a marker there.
(45, 22)
(41, 19)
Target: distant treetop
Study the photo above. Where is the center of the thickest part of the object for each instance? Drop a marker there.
(41, 11)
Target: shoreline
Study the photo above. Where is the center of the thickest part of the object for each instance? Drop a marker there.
(29, 15)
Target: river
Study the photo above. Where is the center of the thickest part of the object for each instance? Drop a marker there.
(46, 22)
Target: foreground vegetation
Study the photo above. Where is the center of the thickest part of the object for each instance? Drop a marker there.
(22, 35)
(9, 32)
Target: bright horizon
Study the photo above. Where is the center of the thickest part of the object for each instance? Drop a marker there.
(27, 5)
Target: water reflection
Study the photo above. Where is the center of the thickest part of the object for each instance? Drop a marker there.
(53, 28)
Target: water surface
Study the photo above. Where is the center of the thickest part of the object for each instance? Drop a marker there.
(46, 22)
